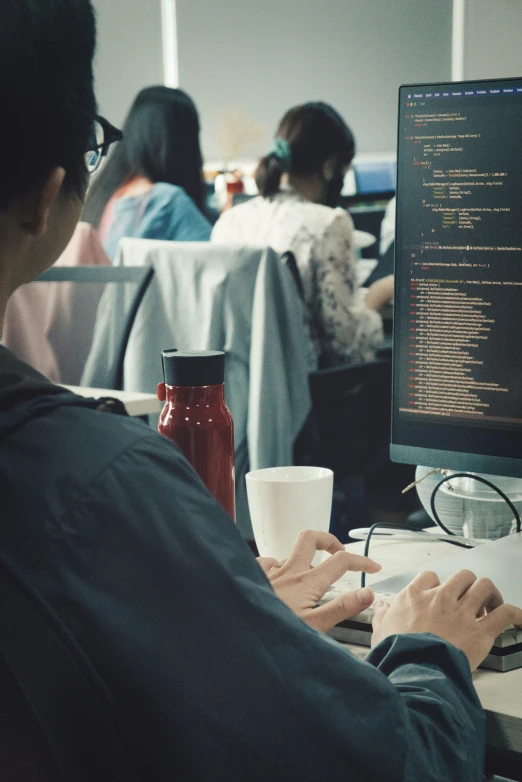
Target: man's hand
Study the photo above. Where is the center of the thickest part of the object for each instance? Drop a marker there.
(301, 586)
(467, 611)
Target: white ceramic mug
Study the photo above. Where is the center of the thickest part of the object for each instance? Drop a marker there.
(285, 500)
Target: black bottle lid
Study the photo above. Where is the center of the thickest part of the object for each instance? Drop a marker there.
(193, 367)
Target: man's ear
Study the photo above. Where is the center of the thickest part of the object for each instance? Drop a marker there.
(36, 206)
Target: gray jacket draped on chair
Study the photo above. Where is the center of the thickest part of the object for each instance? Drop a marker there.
(242, 300)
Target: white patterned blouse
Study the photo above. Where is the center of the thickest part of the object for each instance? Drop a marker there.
(343, 329)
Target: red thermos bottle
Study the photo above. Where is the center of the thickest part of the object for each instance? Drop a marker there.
(197, 419)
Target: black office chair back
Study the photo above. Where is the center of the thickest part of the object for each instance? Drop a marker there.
(57, 720)
(141, 276)
(349, 427)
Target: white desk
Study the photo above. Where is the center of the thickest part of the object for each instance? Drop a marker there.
(135, 403)
(499, 693)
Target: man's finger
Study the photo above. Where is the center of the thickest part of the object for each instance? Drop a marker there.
(483, 594)
(267, 563)
(501, 618)
(348, 604)
(458, 584)
(307, 543)
(329, 571)
(425, 580)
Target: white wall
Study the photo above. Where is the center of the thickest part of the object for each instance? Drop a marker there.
(129, 54)
(268, 55)
(493, 46)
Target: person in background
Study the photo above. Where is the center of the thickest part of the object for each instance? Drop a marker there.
(152, 185)
(211, 669)
(51, 325)
(300, 183)
(388, 227)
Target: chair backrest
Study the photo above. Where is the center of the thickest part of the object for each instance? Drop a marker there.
(57, 721)
(238, 299)
(351, 417)
(140, 277)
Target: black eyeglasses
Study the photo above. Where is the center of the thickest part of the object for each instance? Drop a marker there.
(102, 136)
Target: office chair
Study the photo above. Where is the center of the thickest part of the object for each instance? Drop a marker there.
(348, 431)
(350, 421)
(57, 720)
(351, 411)
(141, 276)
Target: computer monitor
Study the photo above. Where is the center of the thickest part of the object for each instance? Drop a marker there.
(457, 395)
(374, 177)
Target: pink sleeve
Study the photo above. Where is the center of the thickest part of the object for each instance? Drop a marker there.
(50, 325)
(84, 249)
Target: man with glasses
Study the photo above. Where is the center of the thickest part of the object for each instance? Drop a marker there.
(212, 676)
(102, 136)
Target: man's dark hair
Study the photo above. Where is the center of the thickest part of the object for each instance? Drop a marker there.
(315, 132)
(47, 102)
(160, 143)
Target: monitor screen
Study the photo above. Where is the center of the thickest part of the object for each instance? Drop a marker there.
(457, 396)
(376, 176)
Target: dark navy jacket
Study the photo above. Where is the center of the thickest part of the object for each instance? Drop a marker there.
(215, 679)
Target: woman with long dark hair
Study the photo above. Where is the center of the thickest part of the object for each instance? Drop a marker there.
(300, 183)
(152, 185)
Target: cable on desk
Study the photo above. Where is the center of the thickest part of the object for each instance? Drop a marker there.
(506, 499)
(400, 527)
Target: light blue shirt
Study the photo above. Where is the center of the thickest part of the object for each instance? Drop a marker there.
(165, 212)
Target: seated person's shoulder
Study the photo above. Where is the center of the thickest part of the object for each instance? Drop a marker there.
(232, 223)
(323, 221)
(60, 439)
(320, 214)
(164, 194)
(244, 210)
(79, 441)
(175, 214)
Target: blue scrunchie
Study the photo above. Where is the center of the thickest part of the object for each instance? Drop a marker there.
(283, 151)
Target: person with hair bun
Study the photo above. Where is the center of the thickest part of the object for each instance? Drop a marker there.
(300, 183)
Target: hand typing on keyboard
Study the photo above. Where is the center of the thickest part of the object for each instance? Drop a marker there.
(365, 616)
(301, 587)
(504, 640)
(465, 610)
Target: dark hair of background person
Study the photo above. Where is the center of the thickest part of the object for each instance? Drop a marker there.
(316, 133)
(46, 92)
(160, 142)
